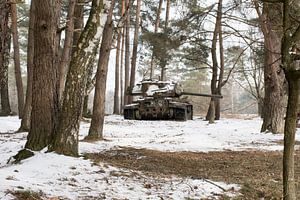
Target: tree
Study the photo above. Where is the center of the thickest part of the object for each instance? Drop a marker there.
(44, 91)
(116, 109)
(157, 21)
(25, 123)
(65, 57)
(4, 56)
(248, 76)
(90, 83)
(163, 61)
(274, 106)
(66, 137)
(19, 83)
(117, 77)
(135, 46)
(96, 128)
(215, 82)
(289, 59)
(127, 51)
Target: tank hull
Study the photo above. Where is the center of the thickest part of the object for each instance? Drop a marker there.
(159, 110)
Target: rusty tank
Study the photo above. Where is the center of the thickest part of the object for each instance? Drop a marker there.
(160, 100)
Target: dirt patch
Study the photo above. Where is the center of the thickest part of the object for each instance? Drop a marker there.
(27, 195)
(258, 172)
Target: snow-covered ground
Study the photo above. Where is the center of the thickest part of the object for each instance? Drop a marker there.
(193, 135)
(76, 178)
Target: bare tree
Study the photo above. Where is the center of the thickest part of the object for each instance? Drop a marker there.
(210, 116)
(274, 105)
(4, 56)
(65, 57)
(25, 123)
(127, 51)
(290, 57)
(117, 76)
(44, 91)
(19, 83)
(66, 138)
(96, 128)
(157, 21)
(122, 61)
(135, 46)
(163, 62)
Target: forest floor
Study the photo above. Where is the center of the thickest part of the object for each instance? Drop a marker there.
(230, 159)
(257, 172)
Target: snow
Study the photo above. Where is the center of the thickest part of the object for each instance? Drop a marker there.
(193, 135)
(77, 178)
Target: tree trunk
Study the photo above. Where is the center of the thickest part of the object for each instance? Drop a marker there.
(65, 57)
(18, 75)
(4, 56)
(260, 106)
(90, 83)
(122, 61)
(167, 14)
(157, 21)
(25, 123)
(78, 22)
(274, 106)
(117, 77)
(290, 43)
(163, 71)
(221, 83)
(44, 91)
(289, 191)
(85, 110)
(96, 128)
(66, 138)
(122, 71)
(163, 63)
(127, 52)
(135, 47)
(210, 116)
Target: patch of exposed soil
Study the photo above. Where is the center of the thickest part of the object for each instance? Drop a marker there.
(259, 173)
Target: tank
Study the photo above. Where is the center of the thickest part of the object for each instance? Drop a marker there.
(159, 100)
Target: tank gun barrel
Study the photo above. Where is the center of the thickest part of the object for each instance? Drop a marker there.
(202, 95)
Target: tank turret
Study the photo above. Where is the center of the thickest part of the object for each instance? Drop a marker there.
(160, 100)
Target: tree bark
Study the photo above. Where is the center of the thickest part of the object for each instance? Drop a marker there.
(85, 110)
(222, 65)
(78, 22)
(127, 52)
(90, 83)
(65, 57)
(122, 61)
(290, 43)
(66, 138)
(167, 14)
(18, 76)
(135, 47)
(122, 70)
(157, 21)
(274, 106)
(96, 128)
(163, 63)
(210, 116)
(44, 91)
(4, 56)
(289, 190)
(117, 76)
(25, 123)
